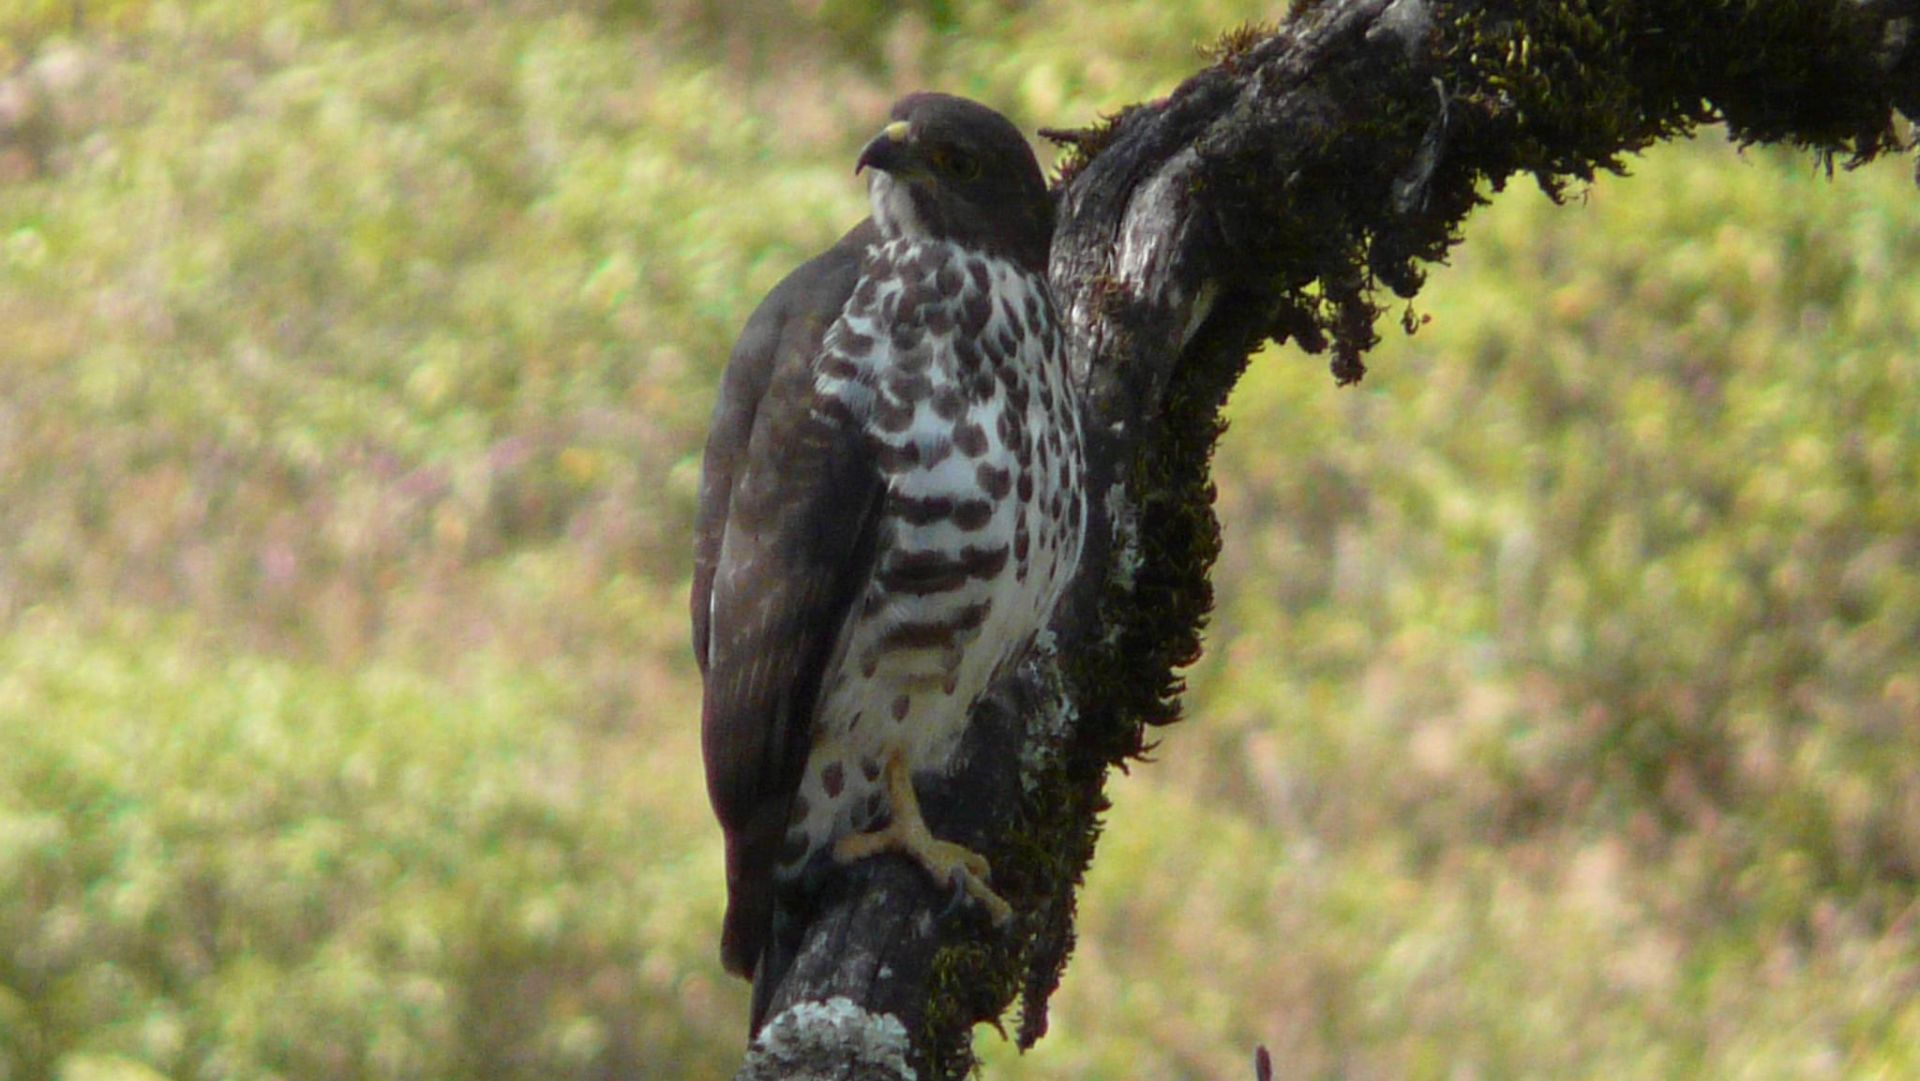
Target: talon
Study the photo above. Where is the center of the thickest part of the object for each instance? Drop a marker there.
(907, 834)
(956, 895)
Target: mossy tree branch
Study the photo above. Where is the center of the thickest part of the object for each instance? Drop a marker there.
(1272, 196)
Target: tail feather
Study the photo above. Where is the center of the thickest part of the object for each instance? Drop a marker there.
(776, 960)
(757, 939)
(751, 852)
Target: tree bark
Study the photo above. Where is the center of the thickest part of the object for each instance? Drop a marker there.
(1271, 196)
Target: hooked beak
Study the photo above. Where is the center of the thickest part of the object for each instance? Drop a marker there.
(888, 150)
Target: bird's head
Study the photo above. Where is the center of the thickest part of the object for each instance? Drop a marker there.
(951, 169)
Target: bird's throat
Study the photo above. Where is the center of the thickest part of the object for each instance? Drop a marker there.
(898, 208)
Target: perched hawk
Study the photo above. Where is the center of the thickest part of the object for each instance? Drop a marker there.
(890, 507)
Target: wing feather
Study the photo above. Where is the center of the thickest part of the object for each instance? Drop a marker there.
(783, 543)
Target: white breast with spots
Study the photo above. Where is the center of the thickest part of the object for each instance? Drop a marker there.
(955, 364)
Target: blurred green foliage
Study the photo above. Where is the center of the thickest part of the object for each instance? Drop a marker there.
(1572, 665)
(1561, 717)
(229, 866)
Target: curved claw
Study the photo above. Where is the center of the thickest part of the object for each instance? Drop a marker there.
(956, 896)
(907, 834)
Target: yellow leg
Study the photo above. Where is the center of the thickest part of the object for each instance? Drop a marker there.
(907, 834)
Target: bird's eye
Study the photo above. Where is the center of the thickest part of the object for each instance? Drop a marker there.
(957, 164)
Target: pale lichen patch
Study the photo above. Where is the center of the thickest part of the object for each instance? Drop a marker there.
(1126, 537)
(815, 1041)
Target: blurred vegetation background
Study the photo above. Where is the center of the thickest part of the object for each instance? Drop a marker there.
(1561, 716)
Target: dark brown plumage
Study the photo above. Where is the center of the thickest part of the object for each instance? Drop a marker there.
(889, 509)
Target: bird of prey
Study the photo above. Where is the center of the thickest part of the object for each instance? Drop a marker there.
(890, 507)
